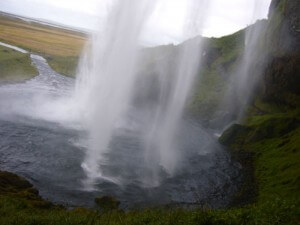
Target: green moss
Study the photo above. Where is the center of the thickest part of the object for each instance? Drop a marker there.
(65, 65)
(267, 107)
(12, 183)
(277, 167)
(274, 141)
(15, 66)
(231, 135)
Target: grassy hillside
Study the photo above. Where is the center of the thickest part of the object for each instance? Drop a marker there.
(61, 47)
(15, 66)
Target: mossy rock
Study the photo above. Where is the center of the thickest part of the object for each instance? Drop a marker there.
(272, 128)
(10, 182)
(17, 187)
(107, 203)
(231, 135)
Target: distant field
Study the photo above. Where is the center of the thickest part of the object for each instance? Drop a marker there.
(40, 38)
(60, 47)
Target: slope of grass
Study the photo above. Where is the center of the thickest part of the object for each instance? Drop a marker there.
(272, 139)
(65, 65)
(15, 66)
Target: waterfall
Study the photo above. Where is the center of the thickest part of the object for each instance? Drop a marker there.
(176, 79)
(244, 81)
(107, 82)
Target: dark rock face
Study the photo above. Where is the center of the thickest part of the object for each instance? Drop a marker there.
(282, 80)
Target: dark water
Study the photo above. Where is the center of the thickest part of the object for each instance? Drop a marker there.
(40, 140)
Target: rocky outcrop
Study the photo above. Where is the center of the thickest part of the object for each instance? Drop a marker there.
(19, 188)
(282, 44)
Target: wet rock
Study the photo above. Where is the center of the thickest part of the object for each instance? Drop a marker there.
(14, 185)
(230, 135)
(282, 43)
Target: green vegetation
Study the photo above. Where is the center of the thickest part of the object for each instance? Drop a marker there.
(107, 203)
(272, 139)
(65, 65)
(15, 66)
(219, 63)
(230, 48)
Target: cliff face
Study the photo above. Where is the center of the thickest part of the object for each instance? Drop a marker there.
(282, 42)
(267, 142)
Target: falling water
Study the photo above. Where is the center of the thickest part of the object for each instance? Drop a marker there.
(106, 89)
(176, 79)
(107, 75)
(243, 82)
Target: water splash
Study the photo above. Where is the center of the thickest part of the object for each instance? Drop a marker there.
(107, 77)
(106, 90)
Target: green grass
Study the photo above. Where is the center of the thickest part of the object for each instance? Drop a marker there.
(272, 138)
(15, 66)
(275, 141)
(65, 65)
(17, 211)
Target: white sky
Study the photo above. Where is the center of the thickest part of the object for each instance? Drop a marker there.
(222, 17)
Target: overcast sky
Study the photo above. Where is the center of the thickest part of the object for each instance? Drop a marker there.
(165, 26)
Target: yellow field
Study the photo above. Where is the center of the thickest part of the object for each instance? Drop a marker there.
(39, 38)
